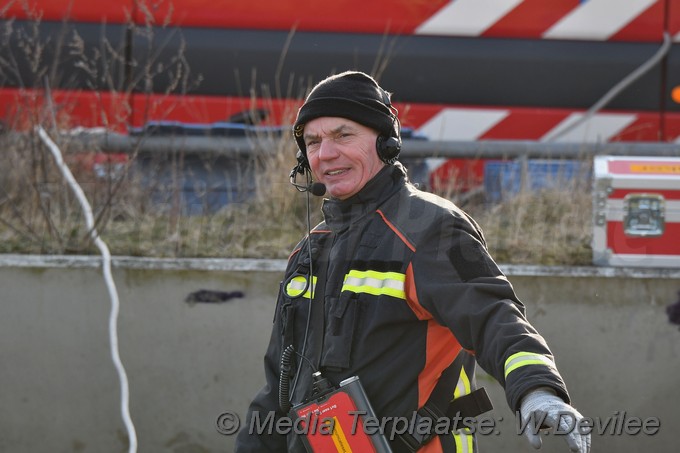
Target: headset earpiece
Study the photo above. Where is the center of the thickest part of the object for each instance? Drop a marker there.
(388, 148)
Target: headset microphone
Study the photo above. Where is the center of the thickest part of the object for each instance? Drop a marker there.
(315, 188)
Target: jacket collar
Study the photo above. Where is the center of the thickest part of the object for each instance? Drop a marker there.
(339, 214)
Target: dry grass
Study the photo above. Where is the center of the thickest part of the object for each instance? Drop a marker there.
(548, 227)
(38, 214)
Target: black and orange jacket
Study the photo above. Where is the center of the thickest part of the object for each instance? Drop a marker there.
(409, 292)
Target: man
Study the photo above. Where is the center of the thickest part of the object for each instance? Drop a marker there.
(395, 286)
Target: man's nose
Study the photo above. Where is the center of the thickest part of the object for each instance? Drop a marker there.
(328, 149)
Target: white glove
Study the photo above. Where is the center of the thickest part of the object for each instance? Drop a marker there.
(554, 413)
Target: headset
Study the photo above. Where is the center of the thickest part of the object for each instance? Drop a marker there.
(389, 147)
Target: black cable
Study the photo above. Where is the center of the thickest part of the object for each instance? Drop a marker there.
(285, 392)
(284, 380)
(310, 283)
(284, 402)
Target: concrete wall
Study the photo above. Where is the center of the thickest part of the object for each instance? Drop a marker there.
(187, 363)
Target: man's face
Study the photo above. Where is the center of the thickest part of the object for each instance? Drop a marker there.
(341, 154)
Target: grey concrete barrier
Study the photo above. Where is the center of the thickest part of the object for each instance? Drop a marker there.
(188, 362)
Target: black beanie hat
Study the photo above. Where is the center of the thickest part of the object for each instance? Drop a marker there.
(353, 95)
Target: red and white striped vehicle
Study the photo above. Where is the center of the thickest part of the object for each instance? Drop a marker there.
(468, 70)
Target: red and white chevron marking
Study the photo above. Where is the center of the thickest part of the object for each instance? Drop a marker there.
(545, 125)
(542, 125)
(555, 19)
(617, 20)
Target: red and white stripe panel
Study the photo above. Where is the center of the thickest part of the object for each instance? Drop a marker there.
(618, 20)
(554, 19)
(542, 125)
(546, 125)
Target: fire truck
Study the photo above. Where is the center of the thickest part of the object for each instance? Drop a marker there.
(460, 70)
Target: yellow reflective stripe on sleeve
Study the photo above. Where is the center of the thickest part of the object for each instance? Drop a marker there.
(298, 284)
(463, 384)
(375, 283)
(464, 441)
(521, 359)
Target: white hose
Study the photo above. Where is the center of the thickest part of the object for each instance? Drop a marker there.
(110, 285)
(619, 87)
